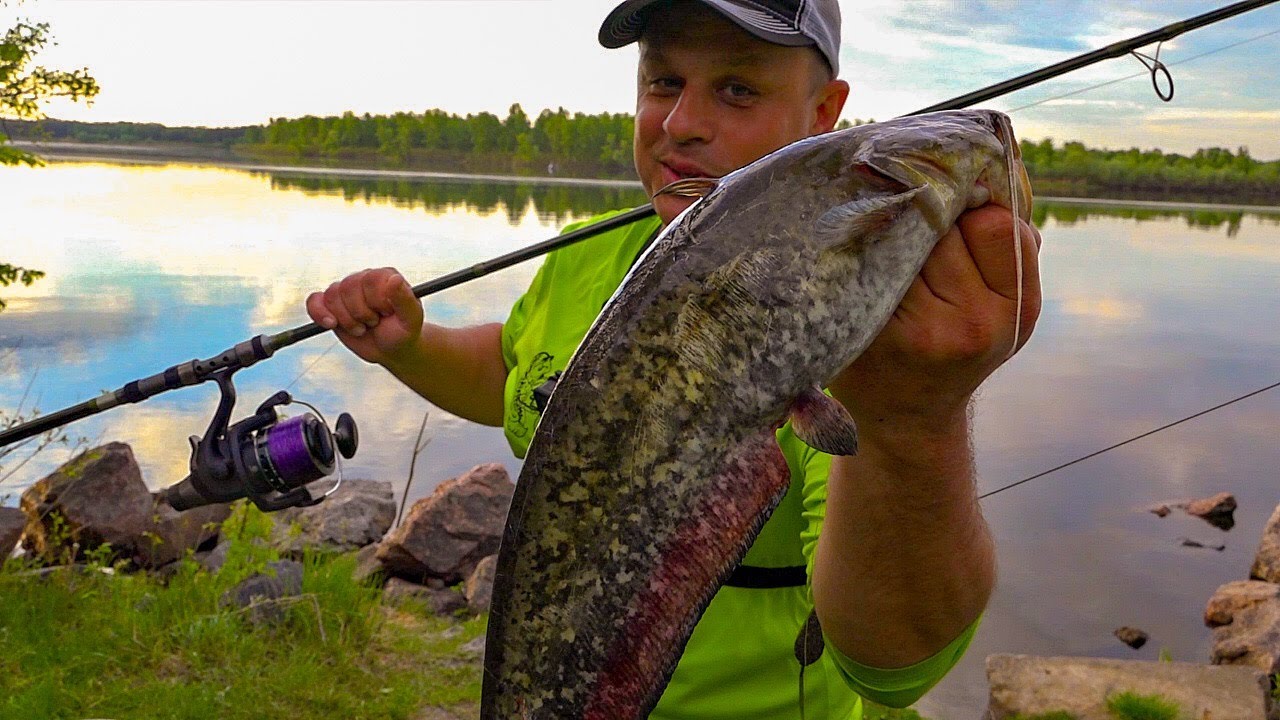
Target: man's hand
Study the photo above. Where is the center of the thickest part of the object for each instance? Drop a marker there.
(905, 561)
(373, 312)
(953, 328)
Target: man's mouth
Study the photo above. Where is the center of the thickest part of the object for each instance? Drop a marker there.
(673, 170)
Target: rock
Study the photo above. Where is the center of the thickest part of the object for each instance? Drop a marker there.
(368, 570)
(97, 497)
(1161, 510)
(1188, 542)
(1266, 564)
(1248, 632)
(1216, 510)
(1131, 636)
(1236, 596)
(444, 603)
(359, 513)
(12, 521)
(479, 586)
(1029, 686)
(172, 533)
(261, 593)
(473, 648)
(1222, 503)
(446, 534)
(213, 560)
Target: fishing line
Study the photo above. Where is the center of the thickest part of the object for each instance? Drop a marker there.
(306, 370)
(1140, 74)
(1148, 433)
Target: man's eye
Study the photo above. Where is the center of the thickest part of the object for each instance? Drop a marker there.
(664, 84)
(738, 91)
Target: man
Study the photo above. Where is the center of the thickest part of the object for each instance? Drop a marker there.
(897, 561)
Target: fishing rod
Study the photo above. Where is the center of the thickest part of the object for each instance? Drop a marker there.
(271, 461)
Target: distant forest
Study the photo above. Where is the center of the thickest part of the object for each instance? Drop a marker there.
(584, 145)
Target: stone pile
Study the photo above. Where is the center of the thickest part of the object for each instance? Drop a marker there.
(447, 538)
(1245, 614)
(97, 505)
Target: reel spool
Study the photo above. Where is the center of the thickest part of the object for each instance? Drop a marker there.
(262, 457)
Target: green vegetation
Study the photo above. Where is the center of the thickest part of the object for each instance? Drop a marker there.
(93, 644)
(1132, 706)
(583, 145)
(10, 274)
(1211, 173)
(24, 88)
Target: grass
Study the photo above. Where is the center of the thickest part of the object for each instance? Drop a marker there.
(92, 644)
(1132, 706)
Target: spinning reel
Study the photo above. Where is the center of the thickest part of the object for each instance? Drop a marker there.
(262, 457)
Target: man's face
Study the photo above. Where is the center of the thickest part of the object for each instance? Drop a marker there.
(712, 98)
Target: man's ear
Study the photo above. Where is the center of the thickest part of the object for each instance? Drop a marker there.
(830, 100)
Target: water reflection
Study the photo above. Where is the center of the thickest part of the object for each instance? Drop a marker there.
(1068, 214)
(551, 203)
(1150, 315)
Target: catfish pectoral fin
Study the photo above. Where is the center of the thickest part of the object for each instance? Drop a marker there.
(823, 423)
(847, 226)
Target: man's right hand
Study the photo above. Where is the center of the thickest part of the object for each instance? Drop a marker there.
(373, 313)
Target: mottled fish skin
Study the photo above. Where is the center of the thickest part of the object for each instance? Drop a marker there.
(655, 464)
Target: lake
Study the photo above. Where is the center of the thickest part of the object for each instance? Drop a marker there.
(1151, 314)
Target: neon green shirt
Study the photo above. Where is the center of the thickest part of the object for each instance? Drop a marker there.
(740, 661)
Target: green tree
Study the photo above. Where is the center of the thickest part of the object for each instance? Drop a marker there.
(22, 89)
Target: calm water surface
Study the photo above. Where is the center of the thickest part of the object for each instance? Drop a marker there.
(1150, 315)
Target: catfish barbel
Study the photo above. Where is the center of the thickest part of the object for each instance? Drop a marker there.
(655, 464)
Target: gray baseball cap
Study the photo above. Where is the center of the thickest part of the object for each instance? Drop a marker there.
(782, 22)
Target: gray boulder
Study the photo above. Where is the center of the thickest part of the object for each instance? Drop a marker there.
(479, 586)
(1266, 564)
(448, 533)
(359, 513)
(262, 593)
(171, 533)
(443, 602)
(12, 522)
(1028, 686)
(97, 497)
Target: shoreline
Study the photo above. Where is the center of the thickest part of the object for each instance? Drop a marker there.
(209, 157)
(142, 155)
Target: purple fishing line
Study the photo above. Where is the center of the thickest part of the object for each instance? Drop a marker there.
(287, 448)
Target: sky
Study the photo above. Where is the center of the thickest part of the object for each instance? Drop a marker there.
(235, 62)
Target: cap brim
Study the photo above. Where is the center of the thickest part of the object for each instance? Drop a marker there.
(626, 23)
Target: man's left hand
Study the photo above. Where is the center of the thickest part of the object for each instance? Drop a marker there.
(953, 328)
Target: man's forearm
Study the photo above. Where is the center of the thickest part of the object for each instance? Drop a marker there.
(461, 370)
(905, 561)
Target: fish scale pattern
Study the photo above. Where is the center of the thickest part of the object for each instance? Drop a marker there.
(655, 465)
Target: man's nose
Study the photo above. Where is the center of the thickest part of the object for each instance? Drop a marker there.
(692, 118)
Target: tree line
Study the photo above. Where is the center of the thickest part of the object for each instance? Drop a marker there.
(1214, 173)
(600, 145)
